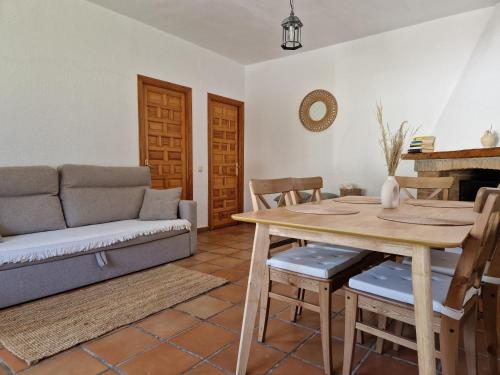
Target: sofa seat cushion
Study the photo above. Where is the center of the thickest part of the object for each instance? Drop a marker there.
(45, 245)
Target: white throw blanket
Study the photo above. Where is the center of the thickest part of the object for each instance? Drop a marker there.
(44, 245)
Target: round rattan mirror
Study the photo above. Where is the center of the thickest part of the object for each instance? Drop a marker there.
(318, 110)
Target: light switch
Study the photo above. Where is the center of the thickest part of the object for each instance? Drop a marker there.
(200, 168)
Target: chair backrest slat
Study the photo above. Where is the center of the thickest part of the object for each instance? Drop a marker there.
(490, 246)
(308, 183)
(494, 261)
(493, 270)
(478, 247)
(435, 193)
(263, 201)
(407, 192)
(439, 184)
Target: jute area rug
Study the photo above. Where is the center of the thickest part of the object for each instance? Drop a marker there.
(42, 328)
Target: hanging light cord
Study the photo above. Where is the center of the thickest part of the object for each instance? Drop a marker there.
(291, 6)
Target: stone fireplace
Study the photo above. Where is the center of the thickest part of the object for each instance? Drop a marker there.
(472, 169)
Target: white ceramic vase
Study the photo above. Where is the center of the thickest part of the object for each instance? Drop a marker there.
(489, 139)
(389, 195)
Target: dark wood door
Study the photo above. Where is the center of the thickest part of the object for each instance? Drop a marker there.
(225, 149)
(165, 133)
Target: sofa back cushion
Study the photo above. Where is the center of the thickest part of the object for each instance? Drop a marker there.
(29, 201)
(160, 204)
(94, 194)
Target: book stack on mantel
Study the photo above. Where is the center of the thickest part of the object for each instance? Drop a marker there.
(420, 145)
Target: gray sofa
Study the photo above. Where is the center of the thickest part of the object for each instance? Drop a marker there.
(39, 199)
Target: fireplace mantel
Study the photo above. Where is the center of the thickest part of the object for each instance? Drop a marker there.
(459, 154)
(479, 158)
(463, 165)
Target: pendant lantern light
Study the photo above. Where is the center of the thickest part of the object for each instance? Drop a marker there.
(291, 31)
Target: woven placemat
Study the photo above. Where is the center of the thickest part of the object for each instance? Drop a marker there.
(358, 199)
(319, 209)
(439, 204)
(42, 328)
(408, 219)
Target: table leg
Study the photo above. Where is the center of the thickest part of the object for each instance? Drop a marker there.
(260, 254)
(422, 292)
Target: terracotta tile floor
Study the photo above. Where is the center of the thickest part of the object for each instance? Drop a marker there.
(200, 336)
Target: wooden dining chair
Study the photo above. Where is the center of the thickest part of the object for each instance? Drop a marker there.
(319, 270)
(436, 184)
(445, 262)
(490, 284)
(387, 290)
(300, 185)
(297, 196)
(489, 298)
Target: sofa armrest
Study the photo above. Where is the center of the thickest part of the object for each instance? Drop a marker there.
(187, 210)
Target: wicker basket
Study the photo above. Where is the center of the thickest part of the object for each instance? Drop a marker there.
(350, 191)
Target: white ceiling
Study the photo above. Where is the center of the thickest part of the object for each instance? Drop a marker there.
(249, 31)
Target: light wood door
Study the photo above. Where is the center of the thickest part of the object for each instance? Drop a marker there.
(165, 133)
(225, 154)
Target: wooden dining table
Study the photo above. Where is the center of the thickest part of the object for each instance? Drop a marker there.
(365, 230)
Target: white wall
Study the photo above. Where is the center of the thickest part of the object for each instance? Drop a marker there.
(69, 91)
(475, 102)
(68, 78)
(412, 70)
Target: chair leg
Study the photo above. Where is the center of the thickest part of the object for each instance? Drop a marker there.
(294, 309)
(448, 342)
(302, 295)
(351, 307)
(359, 334)
(325, 317)
(264, 306)
(382, 324)
(470, 340)
(398, 330)
(490, 297)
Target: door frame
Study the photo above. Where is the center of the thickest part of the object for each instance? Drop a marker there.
(241, 144)
(187, 91)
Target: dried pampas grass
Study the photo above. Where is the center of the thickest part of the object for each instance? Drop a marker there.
(392, 144)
